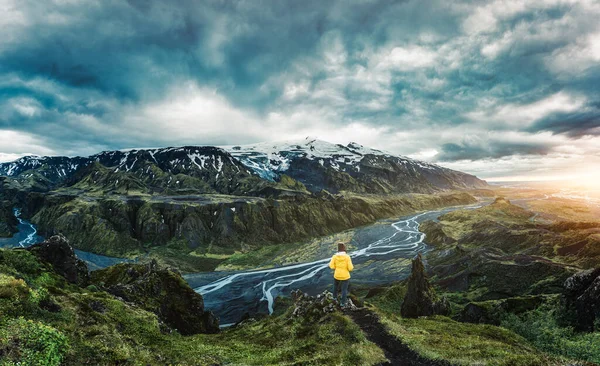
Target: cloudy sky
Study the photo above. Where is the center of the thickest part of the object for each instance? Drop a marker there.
(501, 89)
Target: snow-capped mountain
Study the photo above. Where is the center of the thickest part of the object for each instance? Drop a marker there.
(201, 169)
(317, 164)
(271, 159)
(323, 165)
(53, 168)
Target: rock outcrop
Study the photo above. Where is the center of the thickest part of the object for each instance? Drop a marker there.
(61, 256)
(312, 308)
(582, 297)
(159, 290)
(8, 221)
(420, 298)
(491, 312)
(434, 233)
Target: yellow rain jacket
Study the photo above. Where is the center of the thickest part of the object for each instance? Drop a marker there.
(342, 263)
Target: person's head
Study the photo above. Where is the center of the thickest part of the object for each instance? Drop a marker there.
(341, 247)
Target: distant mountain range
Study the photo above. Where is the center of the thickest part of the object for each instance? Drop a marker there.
(304, 166)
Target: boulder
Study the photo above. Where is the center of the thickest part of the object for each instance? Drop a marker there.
(312, 308)
(582, 297)
(61, 256)
(478, 313)
(420, 298)
(159, 290)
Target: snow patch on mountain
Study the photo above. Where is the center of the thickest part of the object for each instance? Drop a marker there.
(269, 159)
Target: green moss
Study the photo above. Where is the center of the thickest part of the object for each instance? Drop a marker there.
(287, 182)
(457, 224)
(389, 299)
(28, 342)
(542, 327)
(100, 329)
(11, 287)
(282, 341)
(463, 343)
(183, 260)
(252, 259)
(20, 261)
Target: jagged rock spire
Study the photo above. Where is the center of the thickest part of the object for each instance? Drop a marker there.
(420, 298)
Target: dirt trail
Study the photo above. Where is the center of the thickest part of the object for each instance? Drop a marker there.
(396, 352)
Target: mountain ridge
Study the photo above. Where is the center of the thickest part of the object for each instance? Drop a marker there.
(247, 169)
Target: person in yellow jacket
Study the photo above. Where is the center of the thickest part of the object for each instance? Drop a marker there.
(342, 264)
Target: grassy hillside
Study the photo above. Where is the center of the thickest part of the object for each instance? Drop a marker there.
(498, 265)
(46, 321)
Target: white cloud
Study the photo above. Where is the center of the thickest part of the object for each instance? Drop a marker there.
(12, 20)
(488, 17)
(532, 167)
(17, 144)
(190, 114)
(575, 58)
(295, 90)
(425, 154)
(521, 115)
(333, 51)
(407, 58)
(10, 157)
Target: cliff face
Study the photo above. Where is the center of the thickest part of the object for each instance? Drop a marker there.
(8, 196)
(119, 226)
(8, 221)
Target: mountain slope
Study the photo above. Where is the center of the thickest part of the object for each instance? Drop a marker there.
(174, 170)
(322, 165)
(245, 170)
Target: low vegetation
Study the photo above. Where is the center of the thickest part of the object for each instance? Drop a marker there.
(441, 338)
(188, 231)
(546, 329)
(46, 321)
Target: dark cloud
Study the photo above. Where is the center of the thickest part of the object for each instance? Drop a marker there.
(574, 125)
(72, 73)
(494, 150)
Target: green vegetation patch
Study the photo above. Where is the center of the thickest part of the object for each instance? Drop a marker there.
(28, 342)
(544, 329)
(460, 222)
(46, 321)
(336, 340)
(257, 258)
(463, 343)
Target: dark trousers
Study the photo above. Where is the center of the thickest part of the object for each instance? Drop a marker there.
(336, 289)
